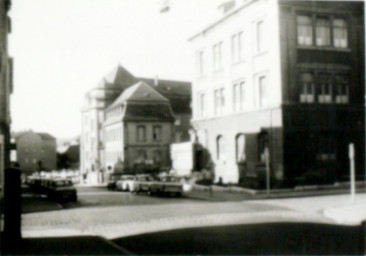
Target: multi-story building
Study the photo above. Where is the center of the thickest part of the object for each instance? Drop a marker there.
(6, 88)
(92, 141)
(35, 151)
(138, 129)
(282, 76)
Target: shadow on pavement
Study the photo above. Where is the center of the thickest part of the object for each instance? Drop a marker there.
(78, 245)
(38, 204)
(263, 239)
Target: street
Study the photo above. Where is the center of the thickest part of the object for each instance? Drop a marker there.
(169, 225)
(114, 214)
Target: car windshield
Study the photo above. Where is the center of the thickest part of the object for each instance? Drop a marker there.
(114, 177)
(62, 183)
(169, 179)
(127, 178)
(144, 178)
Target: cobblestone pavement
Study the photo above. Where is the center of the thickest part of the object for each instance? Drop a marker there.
(119, 221)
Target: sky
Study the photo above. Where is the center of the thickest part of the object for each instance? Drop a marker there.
(63, 48)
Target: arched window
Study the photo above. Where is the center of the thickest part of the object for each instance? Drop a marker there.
(240, 147)
(220, 147)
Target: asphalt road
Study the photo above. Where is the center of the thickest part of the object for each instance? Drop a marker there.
(95, 197)
(100, 196)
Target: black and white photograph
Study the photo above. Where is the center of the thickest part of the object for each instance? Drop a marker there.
(182, 127)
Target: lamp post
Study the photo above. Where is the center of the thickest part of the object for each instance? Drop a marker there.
(351, 150)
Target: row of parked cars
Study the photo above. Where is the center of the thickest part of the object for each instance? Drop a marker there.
(166, 184)
(55, 189)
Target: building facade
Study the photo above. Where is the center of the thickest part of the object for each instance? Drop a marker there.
(284, 77)
(36, 151)
(138, 130)
(6, 88)
(93, 164)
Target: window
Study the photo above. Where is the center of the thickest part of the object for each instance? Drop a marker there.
(325, 92)
(201, 62)
(326, 148)
(340, 37)
(239, 96)
(240, 148)
(237, 41)
(217, 56)
(220, 147)
(141, 133)
(307, 88)
(322, 32)
(260, 36)
(341, 85)
(219, 101)
(157, 133)
(304, 30)
(262, 91)
(322, 28)
(157, 157)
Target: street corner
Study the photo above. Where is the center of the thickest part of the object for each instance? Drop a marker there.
(348, 215)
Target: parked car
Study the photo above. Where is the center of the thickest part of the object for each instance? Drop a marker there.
(166, 185)
(142, 183)
(125, 183)
(61, 189)
(113, 180)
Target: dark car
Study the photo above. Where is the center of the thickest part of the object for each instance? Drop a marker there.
(61, 190)
(112, 181)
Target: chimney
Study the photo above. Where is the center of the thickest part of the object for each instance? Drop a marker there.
(156, 80)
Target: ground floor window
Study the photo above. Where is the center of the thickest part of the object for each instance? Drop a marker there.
(326, 148)
(263, 143)
(240, 148)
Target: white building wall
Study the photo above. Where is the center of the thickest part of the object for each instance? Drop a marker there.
(253, 65)
(113, 144)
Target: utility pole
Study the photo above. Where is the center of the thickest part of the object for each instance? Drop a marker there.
(268, 174)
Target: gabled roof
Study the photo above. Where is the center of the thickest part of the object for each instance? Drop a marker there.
(148, 112)
(120, 76)
(167, 87)
(139, 92)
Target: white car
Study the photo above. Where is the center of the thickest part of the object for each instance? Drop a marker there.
(166, 185)
(126, 183)
(142, 183)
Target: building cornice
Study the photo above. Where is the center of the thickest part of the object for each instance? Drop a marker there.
(225, 17)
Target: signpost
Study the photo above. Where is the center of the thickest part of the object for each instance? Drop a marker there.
(266, 157)
(352, 170)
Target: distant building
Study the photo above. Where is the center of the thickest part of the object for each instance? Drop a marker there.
(282, 76)
(138, 130)
(6, 88)
(68, 154)
(35, 151)
(92, 140)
